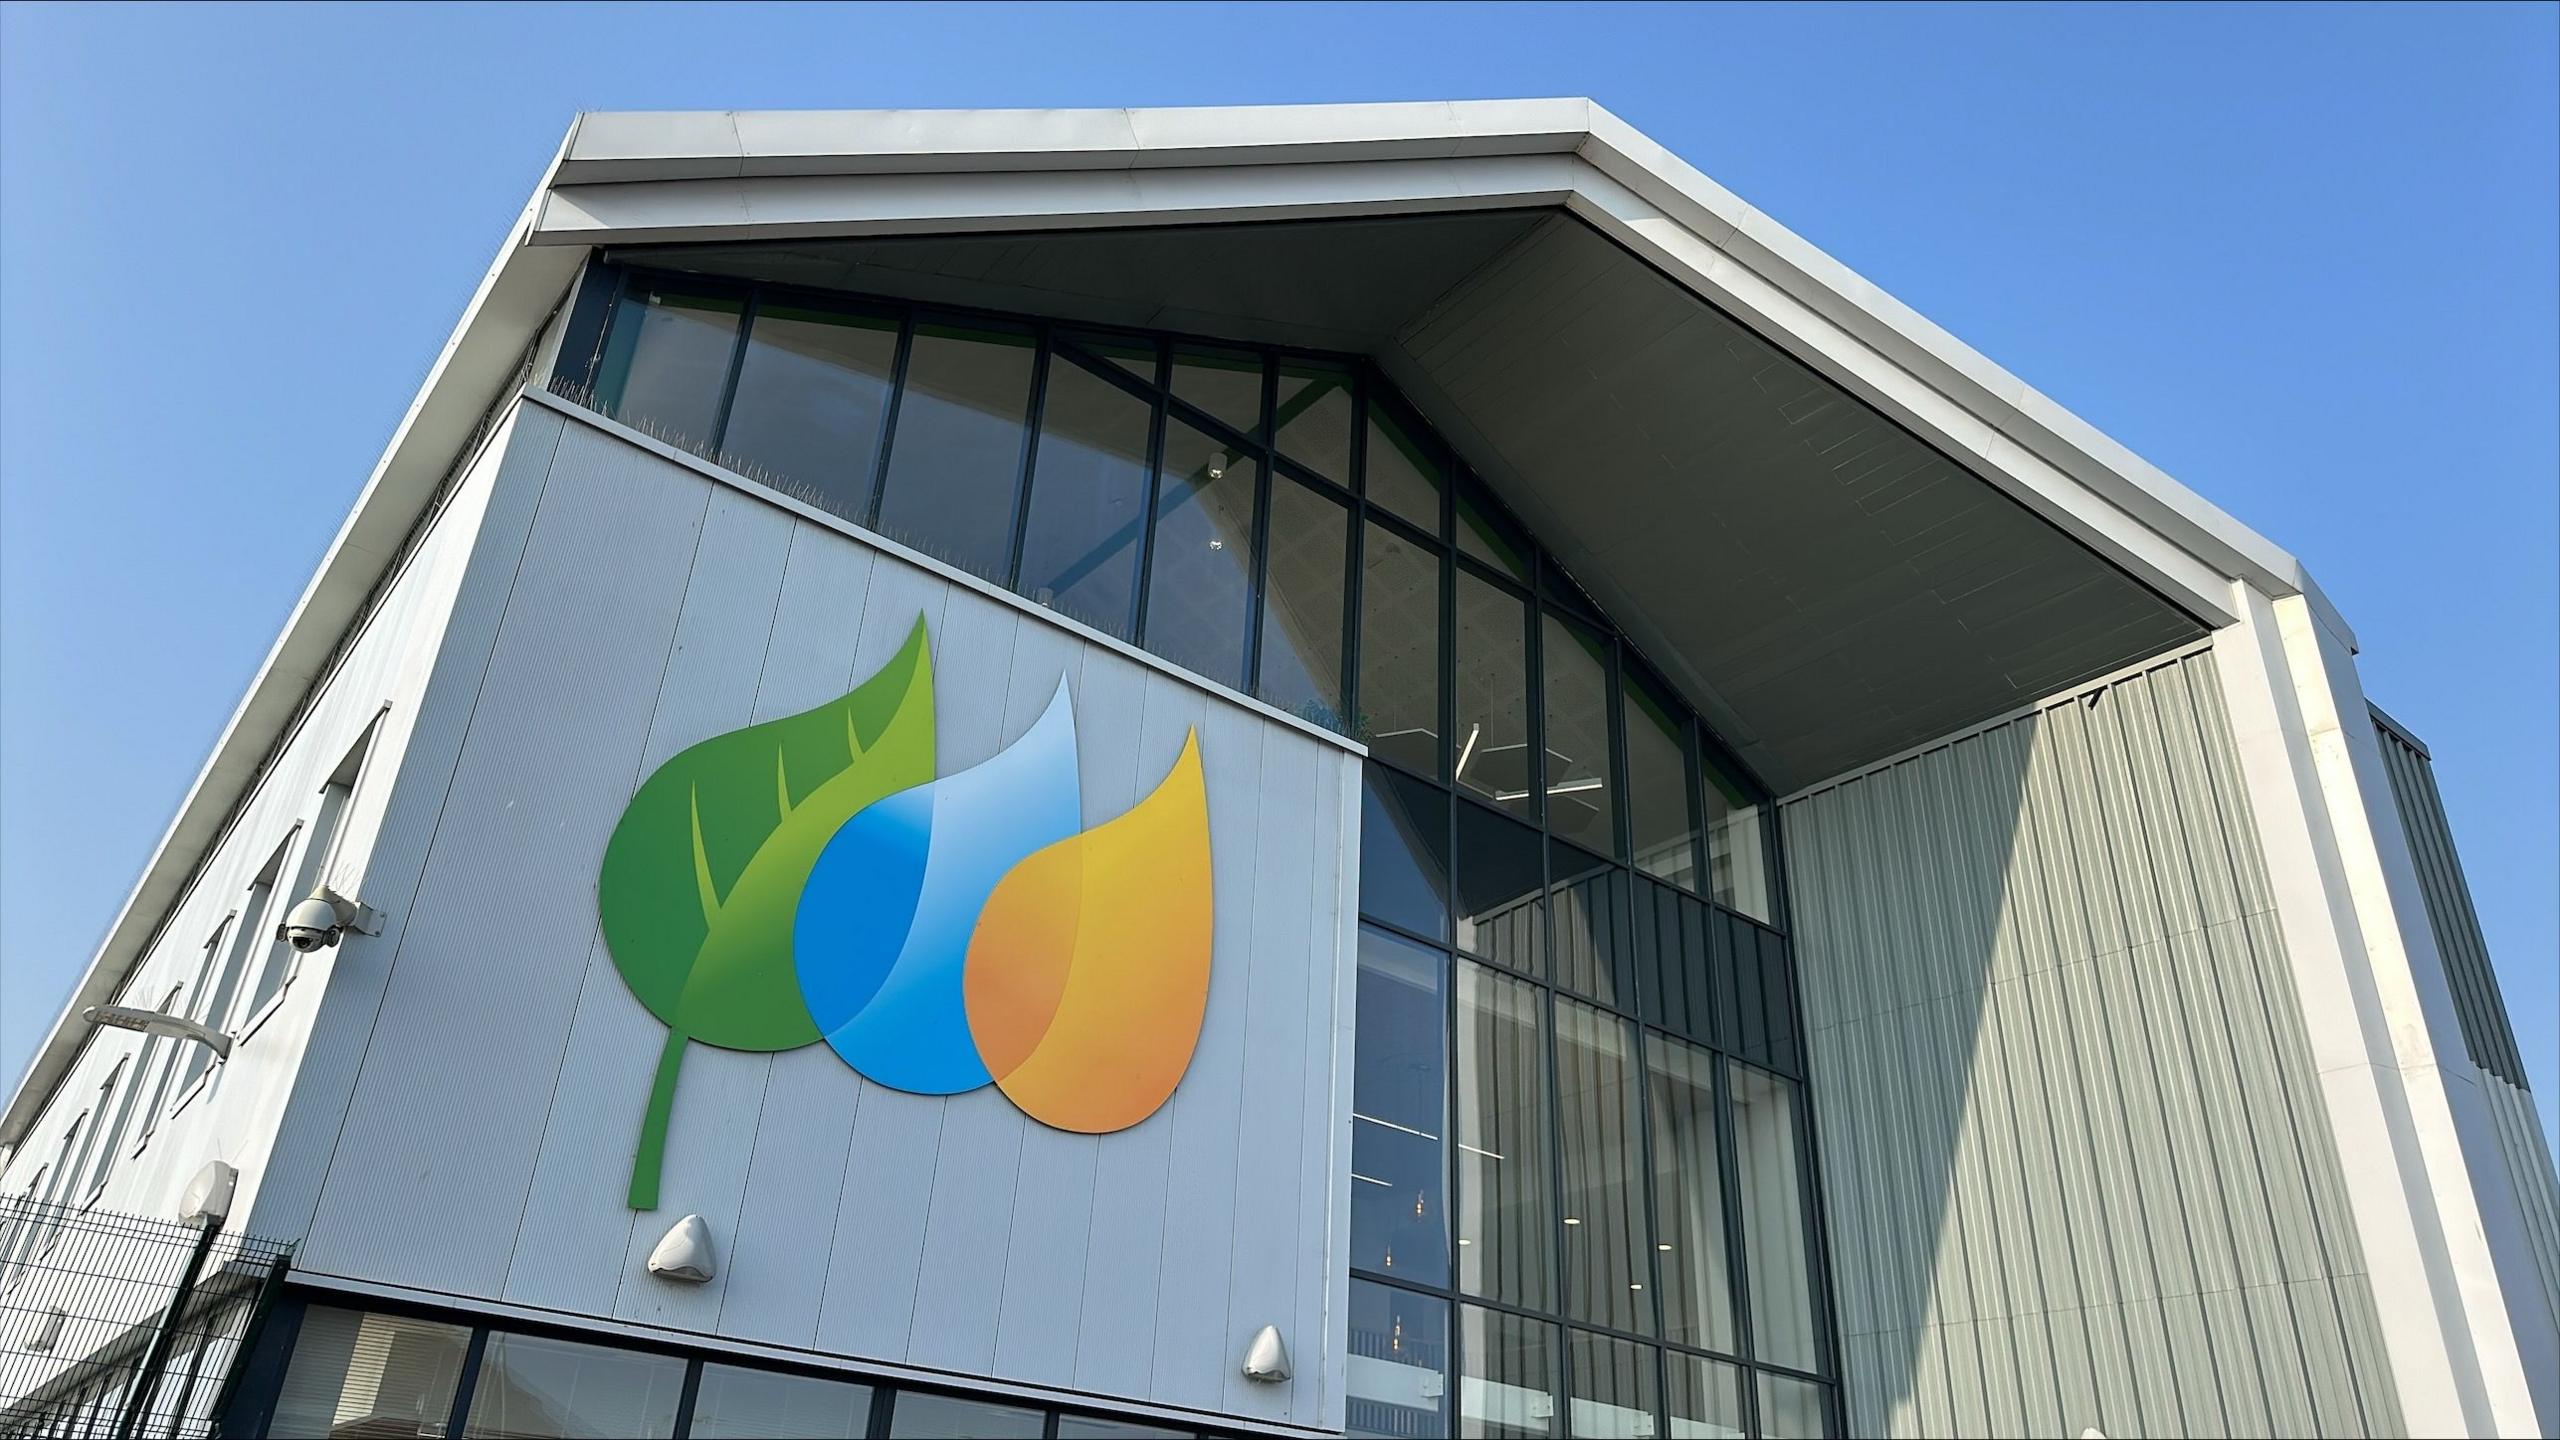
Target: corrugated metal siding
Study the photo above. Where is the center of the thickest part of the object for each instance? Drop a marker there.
(2072, 1139)
(2467, 971)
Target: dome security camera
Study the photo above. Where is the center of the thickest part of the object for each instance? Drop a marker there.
(317, 923)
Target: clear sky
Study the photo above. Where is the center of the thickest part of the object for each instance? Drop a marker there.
(2305, 259)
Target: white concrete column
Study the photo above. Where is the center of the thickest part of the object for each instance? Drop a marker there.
(2398, 1086)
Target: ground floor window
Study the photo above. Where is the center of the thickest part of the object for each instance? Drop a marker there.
(342, 1372)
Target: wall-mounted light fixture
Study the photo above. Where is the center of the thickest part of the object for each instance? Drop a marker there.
(685, 1253)
(1266, 1356)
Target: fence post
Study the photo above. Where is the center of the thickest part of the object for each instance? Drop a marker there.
(246, 1353)
(164, 1337)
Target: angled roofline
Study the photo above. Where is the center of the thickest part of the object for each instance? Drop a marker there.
(655, 177)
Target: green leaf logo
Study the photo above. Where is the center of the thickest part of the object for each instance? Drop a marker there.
(703, 875)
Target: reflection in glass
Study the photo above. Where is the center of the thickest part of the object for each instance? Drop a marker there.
(1200, 565)
(1607, 1245)
(1671, 930)
(1400, 1108)
(1399, 1354)
(1495, 761)
(1486, 533)
(1706, 1398)
(1579, 803)
(1508, 1386)
(1088, 499)
(1777, 1255)
(1612, 1386)
(1403, 471)
(1135, 358)
(1791, 1409)
(812, 392)
(355, 1375)
(535, 1388)
(921, 1415)
(1305, 585)
(738, 1403)
(1737, 841)
(1313, 419)
(1225, 384)
(1104, 1427)
(1666, 837)
(1688, 1197)
(1589, 899)
(1500, 883)
(1400, 651)
(957, 453)
(667, 362)
(1404, 853)
(1504, 1229)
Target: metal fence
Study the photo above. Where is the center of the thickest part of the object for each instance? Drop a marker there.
(122, 1327)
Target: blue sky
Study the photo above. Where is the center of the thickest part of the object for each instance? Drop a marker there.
(2305, 259)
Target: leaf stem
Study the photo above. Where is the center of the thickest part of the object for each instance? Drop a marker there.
(652, 1154)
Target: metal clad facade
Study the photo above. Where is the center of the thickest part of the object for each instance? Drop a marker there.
(2072, 1140)
(488, 1142)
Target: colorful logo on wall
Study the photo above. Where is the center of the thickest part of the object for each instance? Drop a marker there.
(811, 879)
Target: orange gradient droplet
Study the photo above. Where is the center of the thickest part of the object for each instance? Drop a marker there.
(1088, 972)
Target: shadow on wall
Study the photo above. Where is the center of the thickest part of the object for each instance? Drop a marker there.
(2072, 1143)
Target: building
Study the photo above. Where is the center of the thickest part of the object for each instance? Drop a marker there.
(1263, 771)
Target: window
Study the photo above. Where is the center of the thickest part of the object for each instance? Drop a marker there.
(1404, 853)
(1607, 1243)
(1495, 758)
(812, 400)
(1501, 890)
(65, 1170)
(1504, 1225)
(1088, 500)
(666, 362)
(358, 1376)
(1399, 1354)
(169, 1061)
(955, 458)
(535, 1388)
(1488, 535)
(316, 864)
(1225, 385)
(1510, 1375)
(1737, 854)
(1099, 1427)
(1706, 1397)
(734, 1402)
(1200, 561)
(1400, 650)
(102, 1160)
(1580, 803)
(250, 935)
(1791, 1409)
(1592, 953)
(921, 1415)
(1613, 1385)
(1658, 790)
(1400, 1104)
(1688, 1197)
(1777, 1252)
(1306, 588)
(26, 1224)
(1403, 470)
(1313, 418)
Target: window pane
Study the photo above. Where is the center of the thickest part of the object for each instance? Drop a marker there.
(1504, 1225)
(1666, 838)
(1791, 1409)
(1495, 761)
(1601, 1144)
(1131, 356)
(1579, 805)
(1400, 651)
(1396, 1377)
(922, 1416)
(1737, 853)
(1088, 500)
(1612, 1385)
(1486, 533)
(1706, 1398)
(1226, 384)
(1403, 468)
(811, 394)
(1509, 1386)
(1306, 585)
(1400, 1108)
(1313, 420)
(1103, 1427)
(1777, 1254)
(666, 362)
(1691, 1261)
(534, 1388)
(958, 447)
(1673, 963)
(1200, 578)
(1404, 853)
(1590, 903)
(363, 1376)
(1500, 884)
(737, 1403)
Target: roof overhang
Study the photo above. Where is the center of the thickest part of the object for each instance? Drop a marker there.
(733, 178)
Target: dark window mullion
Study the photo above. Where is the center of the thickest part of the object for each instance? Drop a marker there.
(747, 311)
(1041, 347)
(686, 1396)
(1156, 423)
(468, 1381)
(889, 419)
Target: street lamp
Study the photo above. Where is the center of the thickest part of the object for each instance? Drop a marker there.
(152, 1022)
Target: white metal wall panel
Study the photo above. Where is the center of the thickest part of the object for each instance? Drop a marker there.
(487, 1145)
(2070, 1134)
